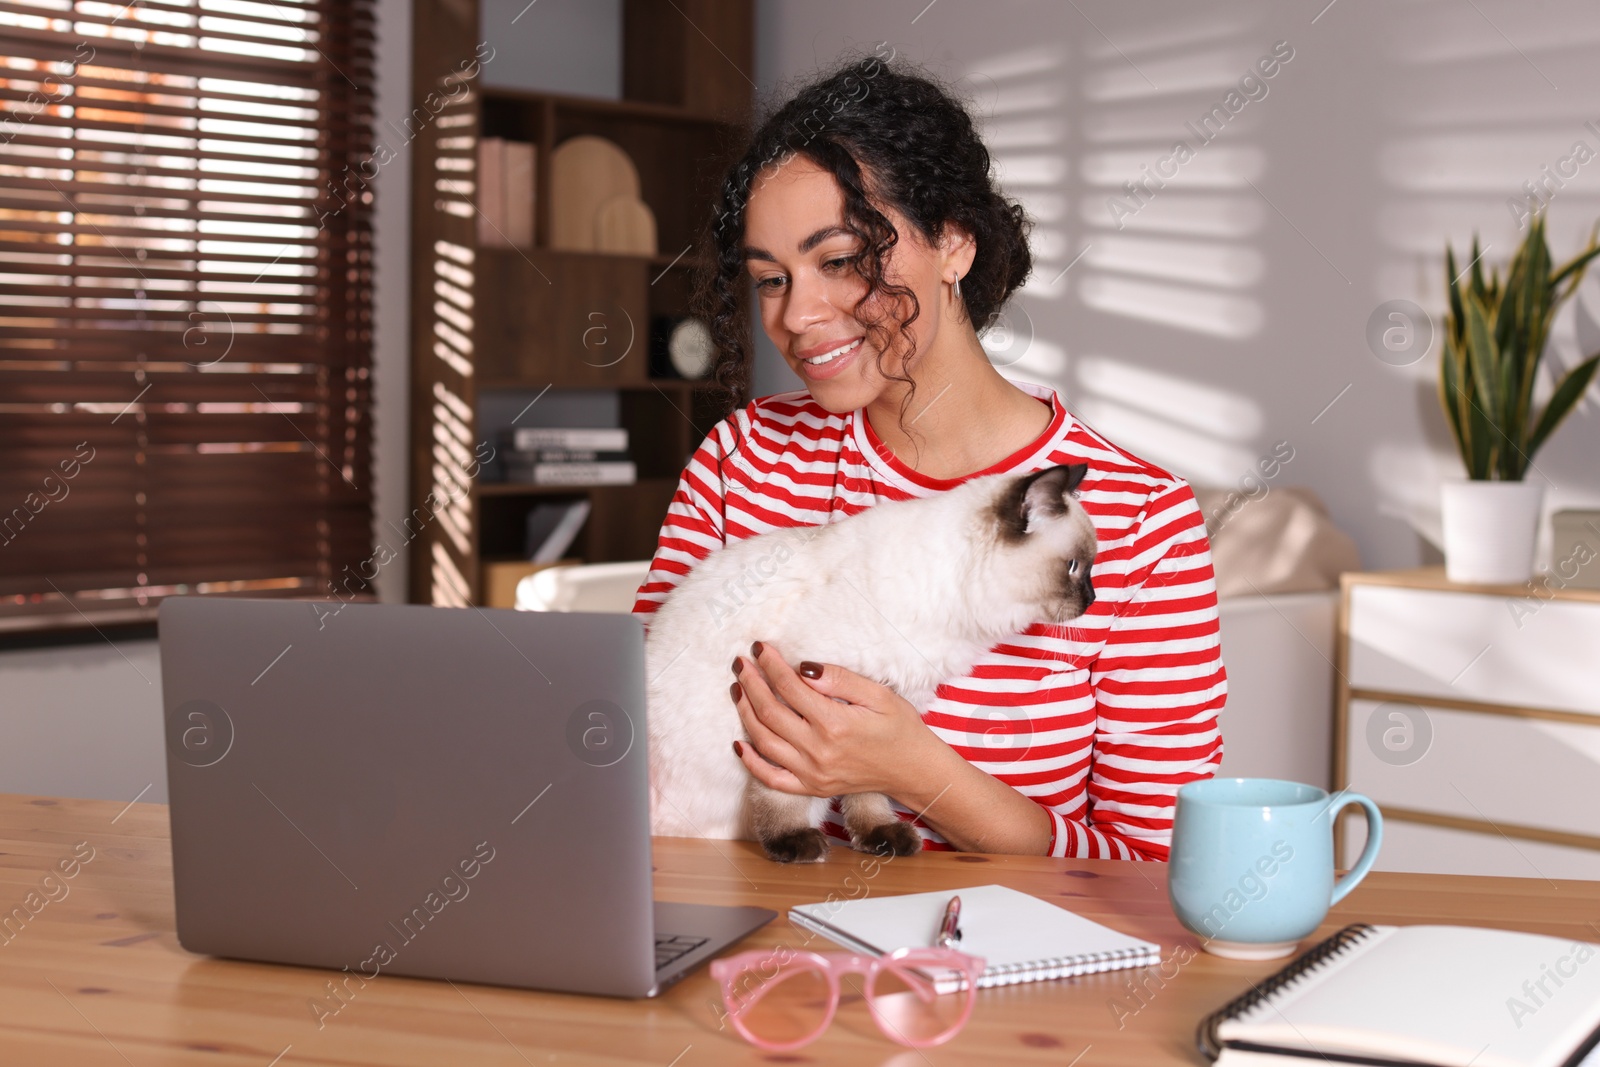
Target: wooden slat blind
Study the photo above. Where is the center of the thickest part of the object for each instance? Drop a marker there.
(185, 309)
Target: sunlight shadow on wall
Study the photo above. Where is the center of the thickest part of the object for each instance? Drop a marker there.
(1069, 131)
(1190, 428)
(1151, 165)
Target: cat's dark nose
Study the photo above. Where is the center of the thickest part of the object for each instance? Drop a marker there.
(1086, 593)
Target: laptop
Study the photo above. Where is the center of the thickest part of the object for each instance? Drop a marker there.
(409, 790)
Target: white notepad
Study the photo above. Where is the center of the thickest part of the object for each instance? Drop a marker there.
(1022, 938)
(1441, 996)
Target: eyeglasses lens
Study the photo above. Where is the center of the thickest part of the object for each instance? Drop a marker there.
(907, 1007)
(783, 1007)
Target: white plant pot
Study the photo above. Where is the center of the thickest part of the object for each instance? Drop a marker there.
(1490, 529)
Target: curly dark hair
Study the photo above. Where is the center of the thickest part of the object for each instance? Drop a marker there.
(891, 135)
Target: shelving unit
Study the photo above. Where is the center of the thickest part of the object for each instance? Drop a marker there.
(509, 322)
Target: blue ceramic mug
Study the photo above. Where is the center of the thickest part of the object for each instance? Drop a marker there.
(1251, 867)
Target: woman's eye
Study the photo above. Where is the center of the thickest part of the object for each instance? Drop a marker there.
(839, 263)
(772, 283)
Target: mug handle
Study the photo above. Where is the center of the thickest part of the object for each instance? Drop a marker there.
(1369, 854)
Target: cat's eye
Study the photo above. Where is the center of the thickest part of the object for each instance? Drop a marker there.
(1072, 568)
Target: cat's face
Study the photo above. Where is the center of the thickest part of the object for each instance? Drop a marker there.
(1045, 542)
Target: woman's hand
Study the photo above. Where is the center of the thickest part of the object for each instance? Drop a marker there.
(805, 741)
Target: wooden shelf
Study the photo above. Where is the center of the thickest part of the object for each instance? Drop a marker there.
(529, 489)
(1434, 578)
(698, 385)
(487, 319)
(602, 106)
(660, 259)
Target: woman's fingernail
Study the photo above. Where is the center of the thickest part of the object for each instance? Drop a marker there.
(736, 665)
(738, 750)
(810, 670)
(755, 650)
(735, 691)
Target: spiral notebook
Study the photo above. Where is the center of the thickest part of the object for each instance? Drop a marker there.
(1419, 996)
(1022, 938)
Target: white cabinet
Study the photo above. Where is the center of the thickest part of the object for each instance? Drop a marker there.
(1471, 714)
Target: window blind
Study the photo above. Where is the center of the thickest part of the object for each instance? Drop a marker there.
(185, 319)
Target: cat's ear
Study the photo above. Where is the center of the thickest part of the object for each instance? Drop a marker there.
(1036, 497)
(1045, 495)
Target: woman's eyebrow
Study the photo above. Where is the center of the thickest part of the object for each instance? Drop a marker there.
(815, 239)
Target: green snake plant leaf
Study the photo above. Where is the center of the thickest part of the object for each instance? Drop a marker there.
(1562, 401)
(1524, 334)
(1451, 393)
(1453, 277)
(1482, 437)
(1483, 355)
(1476, 270)
(1483, 398)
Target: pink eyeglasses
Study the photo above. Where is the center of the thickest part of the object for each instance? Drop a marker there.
(780, 999)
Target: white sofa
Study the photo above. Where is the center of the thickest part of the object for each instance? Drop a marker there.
(1278, 651)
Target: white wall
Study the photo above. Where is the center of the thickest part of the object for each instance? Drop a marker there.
(1228, 313)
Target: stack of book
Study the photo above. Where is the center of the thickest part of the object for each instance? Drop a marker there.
(577, 456)
(505, 193)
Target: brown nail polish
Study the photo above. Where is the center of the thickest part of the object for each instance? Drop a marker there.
(738, 750)
(736, 665)
(755, 650)
(735, 691)
(810, 670)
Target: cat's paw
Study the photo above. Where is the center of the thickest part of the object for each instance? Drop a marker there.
(798, 846)
(891, 839)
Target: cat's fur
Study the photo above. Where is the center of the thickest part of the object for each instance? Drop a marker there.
(908, 593)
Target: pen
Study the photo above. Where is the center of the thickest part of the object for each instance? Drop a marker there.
(949, 930)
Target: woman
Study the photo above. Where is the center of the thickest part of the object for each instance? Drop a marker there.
(879, 246)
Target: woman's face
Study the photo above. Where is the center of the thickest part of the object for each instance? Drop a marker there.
(802, 259)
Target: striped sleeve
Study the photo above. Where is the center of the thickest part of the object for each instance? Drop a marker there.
(1159, 684)
(694, 526)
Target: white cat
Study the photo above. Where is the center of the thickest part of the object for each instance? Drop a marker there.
(908, 593)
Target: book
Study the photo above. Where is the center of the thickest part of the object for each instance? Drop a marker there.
(615, 473)
(551, 527)
(517, 187)
(505, 193)
(1419, 996)
(491, 198)
(585, 438)
(1020, 937)
(569, 455)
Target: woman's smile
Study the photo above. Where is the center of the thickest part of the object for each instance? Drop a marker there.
(828, 359)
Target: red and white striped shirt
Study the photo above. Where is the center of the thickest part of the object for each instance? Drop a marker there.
(1099, 721)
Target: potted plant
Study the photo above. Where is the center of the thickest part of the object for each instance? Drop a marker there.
(1494, 339)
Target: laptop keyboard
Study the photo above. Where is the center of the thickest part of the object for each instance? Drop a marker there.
(670, 949)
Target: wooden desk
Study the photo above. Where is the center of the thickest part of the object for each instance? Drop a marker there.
(97, 977)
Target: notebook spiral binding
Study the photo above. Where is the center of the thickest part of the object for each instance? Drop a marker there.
(1206, 1036)
(1058, 967)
